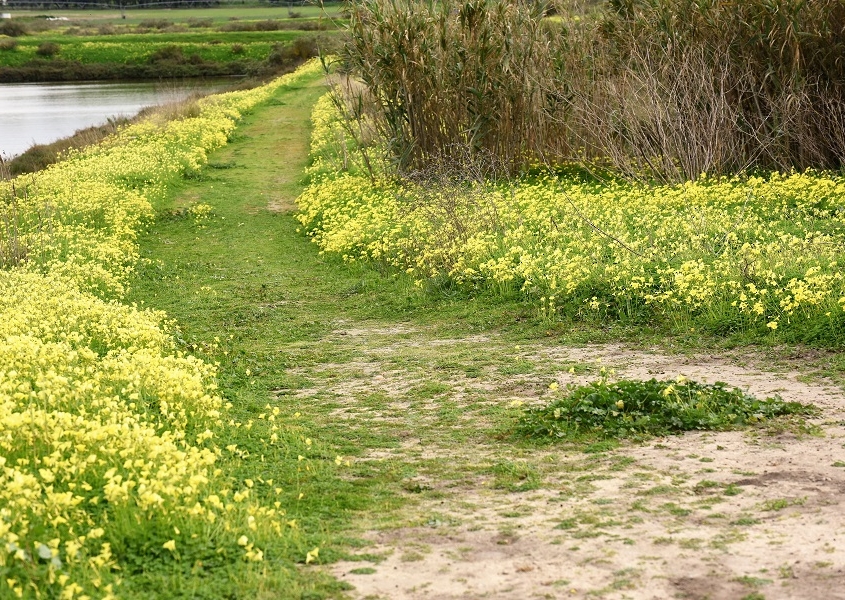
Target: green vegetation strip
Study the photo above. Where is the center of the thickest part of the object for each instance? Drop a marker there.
(33, 49)
(642, 408)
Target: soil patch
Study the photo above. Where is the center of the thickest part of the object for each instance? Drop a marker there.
(702, 515)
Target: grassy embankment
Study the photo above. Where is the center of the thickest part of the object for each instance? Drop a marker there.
(123, 470)
(156, 44)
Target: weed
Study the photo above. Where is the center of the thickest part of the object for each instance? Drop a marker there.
(753, 581)
(776, 504)
(637, 408)
(515, 476)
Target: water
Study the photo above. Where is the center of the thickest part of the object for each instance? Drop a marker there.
(40, 113)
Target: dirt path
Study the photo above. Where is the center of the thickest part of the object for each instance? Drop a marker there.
(705, 515)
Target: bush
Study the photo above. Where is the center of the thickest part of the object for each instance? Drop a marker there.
(9, 44)
(193, 22)
(155, 24)
(274, 25)
(12, 28)
(168, 54)
(237, 48)
(47, 49)
(297, 51)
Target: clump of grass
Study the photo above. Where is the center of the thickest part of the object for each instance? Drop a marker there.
(632, 408)
(41, 156)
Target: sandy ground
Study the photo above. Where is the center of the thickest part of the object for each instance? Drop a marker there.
(727, 515)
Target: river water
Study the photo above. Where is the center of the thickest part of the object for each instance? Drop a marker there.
(40, 113)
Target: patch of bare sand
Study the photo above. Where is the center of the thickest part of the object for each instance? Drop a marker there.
(704, 515)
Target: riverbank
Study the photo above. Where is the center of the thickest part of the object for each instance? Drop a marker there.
(41, 155)
(126, 471)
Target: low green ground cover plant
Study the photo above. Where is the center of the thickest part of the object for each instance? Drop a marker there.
(635, 409)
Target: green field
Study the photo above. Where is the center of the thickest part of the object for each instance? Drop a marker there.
(139, 48)
(160, 43)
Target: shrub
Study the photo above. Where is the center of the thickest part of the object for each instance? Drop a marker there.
(155, 24)
(170, 53)
(193, 22)
(47, 49)
(283, 55)
(274, 25)
(9, 44)
(12, 28)
(237, 48)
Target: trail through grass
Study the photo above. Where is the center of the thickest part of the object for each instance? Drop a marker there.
(414, 393)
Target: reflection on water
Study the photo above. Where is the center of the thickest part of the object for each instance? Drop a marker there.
(40, 113)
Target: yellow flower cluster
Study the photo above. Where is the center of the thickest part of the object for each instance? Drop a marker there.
(734, 252)
(107, 432)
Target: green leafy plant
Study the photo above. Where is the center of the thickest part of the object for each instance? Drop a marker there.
(629, 408)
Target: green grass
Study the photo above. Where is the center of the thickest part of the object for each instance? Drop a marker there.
(300, 332)
(243, 279)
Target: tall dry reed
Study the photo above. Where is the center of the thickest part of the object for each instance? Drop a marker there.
(657, 89)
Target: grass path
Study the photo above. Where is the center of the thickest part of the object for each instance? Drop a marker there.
(417, 391)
